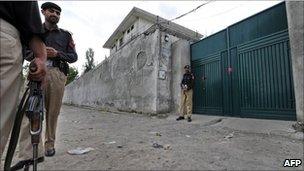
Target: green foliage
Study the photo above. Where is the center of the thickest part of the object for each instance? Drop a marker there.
(90, 60)
(73, 73)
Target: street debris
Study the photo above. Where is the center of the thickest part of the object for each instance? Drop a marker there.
(79, 151)
(111, 142)
(229, 135)
(119, 146)
(188, 136)
(298, 126)
(156, 145)
(167, 147)
(156, 133)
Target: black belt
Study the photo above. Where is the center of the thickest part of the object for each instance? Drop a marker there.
(63, 67)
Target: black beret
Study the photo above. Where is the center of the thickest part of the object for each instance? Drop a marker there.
(48, 5)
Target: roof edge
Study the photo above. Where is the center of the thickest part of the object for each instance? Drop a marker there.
(137, 12)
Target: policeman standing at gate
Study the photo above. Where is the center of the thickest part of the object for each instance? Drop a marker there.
(60, 49)
(187, 83)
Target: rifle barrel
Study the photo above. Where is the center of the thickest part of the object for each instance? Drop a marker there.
(35, 156)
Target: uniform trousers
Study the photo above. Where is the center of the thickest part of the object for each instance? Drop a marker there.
(185, 109)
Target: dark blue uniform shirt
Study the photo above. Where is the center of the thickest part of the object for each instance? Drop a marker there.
(62, 41)
(188, 79)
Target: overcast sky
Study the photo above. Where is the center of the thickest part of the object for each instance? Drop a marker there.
(93, 22)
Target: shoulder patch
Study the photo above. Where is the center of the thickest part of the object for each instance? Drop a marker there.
(71, 43)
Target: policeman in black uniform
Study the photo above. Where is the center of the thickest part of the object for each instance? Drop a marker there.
(60, 49)
(186, 95)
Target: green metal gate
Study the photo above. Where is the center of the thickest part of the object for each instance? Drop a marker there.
(245, 70)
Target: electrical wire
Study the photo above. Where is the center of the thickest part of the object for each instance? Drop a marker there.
(191, 11)
(217, 14)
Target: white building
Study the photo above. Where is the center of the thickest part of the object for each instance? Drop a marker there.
(143, 72)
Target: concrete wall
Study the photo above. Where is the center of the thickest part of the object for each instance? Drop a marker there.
(126, 81)
(139, 25)
(180, 58)
(295, 13)
(164, 92)
(143, 25)
(142, 77)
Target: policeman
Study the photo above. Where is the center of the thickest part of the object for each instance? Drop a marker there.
(60, 49)
(20, 25)
(186, 95)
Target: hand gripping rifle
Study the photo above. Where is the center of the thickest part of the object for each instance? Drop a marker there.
(33, 108)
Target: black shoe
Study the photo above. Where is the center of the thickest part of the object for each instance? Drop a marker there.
(50, 153)
(180, 118)
(189, 119)
(26, 163)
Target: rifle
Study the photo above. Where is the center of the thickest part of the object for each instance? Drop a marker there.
(33, 108)
(34, 112)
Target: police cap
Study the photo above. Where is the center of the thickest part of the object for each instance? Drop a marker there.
(48, 5)
(187, 67)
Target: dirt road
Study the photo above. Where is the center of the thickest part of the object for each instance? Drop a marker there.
(132, 141)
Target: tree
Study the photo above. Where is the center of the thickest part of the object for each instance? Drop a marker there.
(73, 73)
(90, 60)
